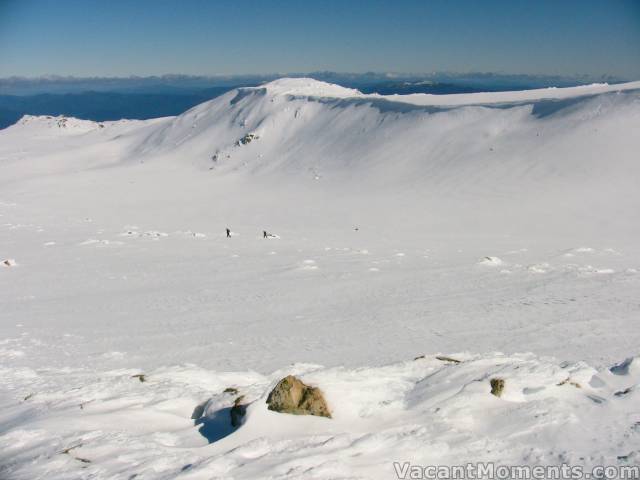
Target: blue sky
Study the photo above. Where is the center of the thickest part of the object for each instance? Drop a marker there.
(152, 37)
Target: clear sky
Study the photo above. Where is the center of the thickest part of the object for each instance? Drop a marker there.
(151, 37)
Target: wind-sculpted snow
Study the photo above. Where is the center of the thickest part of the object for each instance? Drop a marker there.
(427, 411)
(396, 228)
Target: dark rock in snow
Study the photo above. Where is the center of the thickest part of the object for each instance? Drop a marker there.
(238, 411)
(497, 386)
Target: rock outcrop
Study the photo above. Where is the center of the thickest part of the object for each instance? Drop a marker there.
(291, 395)
(238, 411)
(497, 386)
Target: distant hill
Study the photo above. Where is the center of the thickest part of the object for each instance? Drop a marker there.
(102, 106)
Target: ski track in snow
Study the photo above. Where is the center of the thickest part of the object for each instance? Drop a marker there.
(122, 268)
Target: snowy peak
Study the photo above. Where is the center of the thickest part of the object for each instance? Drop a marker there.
(60, 122)
(63, 124)
(307, 87)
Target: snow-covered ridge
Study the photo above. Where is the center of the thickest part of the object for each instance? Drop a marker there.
(310, 88)
(60, 122)
(335, 126)
(300, 126)
(314, 88)
(306, 87)
(519, 96)
(70, 125)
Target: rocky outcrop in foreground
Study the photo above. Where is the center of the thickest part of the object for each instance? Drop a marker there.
(291, 395)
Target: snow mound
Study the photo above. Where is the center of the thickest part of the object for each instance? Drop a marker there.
(9, 262)
(491, 261)
(61, 123)
(308, 87)
(65, 125)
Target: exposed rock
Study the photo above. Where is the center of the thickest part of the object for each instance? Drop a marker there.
(140, 376)
(248, 138)
(198, 411)
(9, 262)
(568, 381)
(497, 386)
(624, 392)
(291, 395)
(442, 358)
(67, 451)
(238, 411)
(447, 359)
(231, 390)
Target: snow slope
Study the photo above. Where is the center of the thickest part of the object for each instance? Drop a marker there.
(465, 225)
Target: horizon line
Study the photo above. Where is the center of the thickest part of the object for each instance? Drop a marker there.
(380, 74)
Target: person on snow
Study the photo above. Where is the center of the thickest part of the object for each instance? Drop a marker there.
(265, 234)
(228, 233)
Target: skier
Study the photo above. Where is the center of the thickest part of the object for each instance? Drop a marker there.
(265, 234)
(228, 233)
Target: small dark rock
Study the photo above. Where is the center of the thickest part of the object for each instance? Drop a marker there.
(447, 359)
(497, 386)
(568, 381)
(238, 411)
(624, 392)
